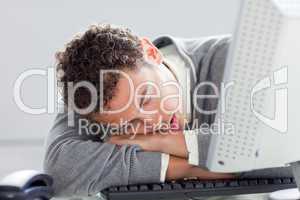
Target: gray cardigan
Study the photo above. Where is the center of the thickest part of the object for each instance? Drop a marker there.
(82, 164)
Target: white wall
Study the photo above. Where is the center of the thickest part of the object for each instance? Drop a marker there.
(32, 30)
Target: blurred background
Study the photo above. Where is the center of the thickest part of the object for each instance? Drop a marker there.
(32, 31)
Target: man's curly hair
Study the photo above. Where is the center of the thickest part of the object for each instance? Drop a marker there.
(101, 47)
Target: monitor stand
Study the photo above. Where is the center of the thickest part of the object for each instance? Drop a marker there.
(289, 194)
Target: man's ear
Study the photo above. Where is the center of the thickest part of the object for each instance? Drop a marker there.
(150, 51)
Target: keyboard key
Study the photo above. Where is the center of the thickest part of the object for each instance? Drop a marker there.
(123, 189)
(166, 186)
(277, 181)
(156, 187)
(262, 181)
(188, 185)
(286, 180)
(144, 188)
(243, 183)
(220, 184)
(233, 184)
(176, 186)
(209, 185)
(113, 189)
(253, 182)
(133, 188)
(199, 185)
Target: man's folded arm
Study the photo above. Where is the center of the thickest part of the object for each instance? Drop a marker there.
(85, 167)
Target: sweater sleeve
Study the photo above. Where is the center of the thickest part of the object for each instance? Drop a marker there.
(81, 166)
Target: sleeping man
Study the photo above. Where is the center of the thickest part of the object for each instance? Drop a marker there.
(135, 111)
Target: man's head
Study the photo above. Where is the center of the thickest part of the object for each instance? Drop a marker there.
(139, 89)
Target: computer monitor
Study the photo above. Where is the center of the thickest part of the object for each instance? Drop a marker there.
(262, 96)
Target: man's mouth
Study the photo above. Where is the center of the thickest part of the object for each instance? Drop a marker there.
(174, 123)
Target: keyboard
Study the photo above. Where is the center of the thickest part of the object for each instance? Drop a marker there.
(197, 188)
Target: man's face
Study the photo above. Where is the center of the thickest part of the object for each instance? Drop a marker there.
(146, 100)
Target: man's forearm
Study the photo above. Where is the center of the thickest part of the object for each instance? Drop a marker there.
(173, 144)
(169, 143)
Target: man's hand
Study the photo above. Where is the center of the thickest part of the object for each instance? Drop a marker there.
(172, 143)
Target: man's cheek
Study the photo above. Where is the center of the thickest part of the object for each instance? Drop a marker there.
(170, 104)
